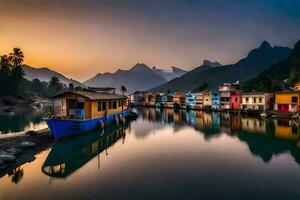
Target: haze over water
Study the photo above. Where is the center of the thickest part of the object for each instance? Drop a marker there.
(168, 155)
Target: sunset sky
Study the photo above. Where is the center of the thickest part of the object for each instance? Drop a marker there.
(80, 38)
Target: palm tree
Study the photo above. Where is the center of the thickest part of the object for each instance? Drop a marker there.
(4, 60)
(123, 89)
(16, 58)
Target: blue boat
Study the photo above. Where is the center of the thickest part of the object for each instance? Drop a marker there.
(76, 112)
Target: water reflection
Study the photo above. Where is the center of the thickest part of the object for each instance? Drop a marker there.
(66, 156)
(20, 123)
(265, 138)
(167, 155)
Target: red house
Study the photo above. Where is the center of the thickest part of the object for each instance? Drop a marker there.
(235, 100)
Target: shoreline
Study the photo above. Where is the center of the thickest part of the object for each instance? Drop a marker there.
(270, 114)
(22, 148)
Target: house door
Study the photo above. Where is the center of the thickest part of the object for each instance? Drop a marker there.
(283, 108)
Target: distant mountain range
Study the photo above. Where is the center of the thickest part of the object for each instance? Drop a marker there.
(279, 76)
(142, 77)
(45, 74)
(139, 77)
(255, 62)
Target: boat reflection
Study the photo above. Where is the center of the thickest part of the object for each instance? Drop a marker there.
(66, 156)
(265, 137)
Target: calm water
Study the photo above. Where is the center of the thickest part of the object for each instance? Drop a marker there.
(167, 155)
(22, 123)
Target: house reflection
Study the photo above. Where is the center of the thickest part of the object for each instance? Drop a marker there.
(67, 156)
(254, 125)
(287, 129)
(265, 138)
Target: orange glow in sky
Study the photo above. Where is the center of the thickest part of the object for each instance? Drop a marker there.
(80, 39)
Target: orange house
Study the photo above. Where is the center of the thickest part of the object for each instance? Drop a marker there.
(287, 101)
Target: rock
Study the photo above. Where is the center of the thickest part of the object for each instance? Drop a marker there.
(31, 133)
(28, 144)
(3, 152)
(7, 158)
(13, 151)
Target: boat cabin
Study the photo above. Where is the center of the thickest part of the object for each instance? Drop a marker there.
(83, 105)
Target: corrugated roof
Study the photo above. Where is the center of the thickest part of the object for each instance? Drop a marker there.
(92, 95)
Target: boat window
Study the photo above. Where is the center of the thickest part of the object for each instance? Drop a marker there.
(101, 106)
(114, 104)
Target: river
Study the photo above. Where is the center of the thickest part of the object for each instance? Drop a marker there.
(168, 155)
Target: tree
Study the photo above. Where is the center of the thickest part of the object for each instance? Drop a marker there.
(4, 74)
(16, 58)
(71, 86)
(55, 85)
(123, 89)
(4, 67)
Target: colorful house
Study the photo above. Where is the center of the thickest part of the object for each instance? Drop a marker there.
(158, 99)
(215, 100)
(199, 100)
(287, 102)
(190, 100)
(235, 100)
(257, 101)
(179, 100)
(225, 91)
(137, 98)
(167, 100)
(207, 99)
(147, 99)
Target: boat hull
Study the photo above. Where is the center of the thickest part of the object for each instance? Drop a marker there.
(63, 128)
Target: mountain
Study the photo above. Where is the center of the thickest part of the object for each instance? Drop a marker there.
(139, 77)
(44, 74)
(283, 74)
(174, 72)
(255, 62)
(210, 63)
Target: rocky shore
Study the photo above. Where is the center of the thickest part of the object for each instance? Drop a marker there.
(21, 104)
(18, 150)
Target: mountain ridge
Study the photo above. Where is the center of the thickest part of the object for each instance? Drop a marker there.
(45, 74)
(256, 61)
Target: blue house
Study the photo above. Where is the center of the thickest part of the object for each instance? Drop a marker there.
(190, 100)
(215, 100)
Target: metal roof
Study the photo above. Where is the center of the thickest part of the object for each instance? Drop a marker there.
(91, 95)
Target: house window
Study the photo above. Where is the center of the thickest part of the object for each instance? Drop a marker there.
(294, 99)
(110, 105)
(260, 100)
(101, 106)
(254, 99)
(247, 99)
(114, 104)
(294, 130)
(235, 100)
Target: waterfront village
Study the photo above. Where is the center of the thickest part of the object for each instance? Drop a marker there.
(226, 99)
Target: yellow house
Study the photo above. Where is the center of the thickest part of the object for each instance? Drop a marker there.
(87, 104)
(287, 101)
